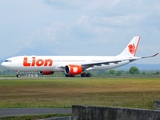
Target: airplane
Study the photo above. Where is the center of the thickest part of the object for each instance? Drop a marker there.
(74, 65)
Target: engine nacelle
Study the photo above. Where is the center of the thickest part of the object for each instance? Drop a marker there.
(46, 72)
(73, 69)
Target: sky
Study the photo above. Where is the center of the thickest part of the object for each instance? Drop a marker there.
(79, 27)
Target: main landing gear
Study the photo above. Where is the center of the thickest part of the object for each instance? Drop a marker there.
(82, 75)
(85, 75)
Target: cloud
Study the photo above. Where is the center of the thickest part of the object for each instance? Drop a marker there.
(86, 27)
(47, 35)
(67, 4)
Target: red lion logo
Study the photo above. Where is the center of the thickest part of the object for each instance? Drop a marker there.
(132, 48)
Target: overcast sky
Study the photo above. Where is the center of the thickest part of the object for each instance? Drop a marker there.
(79, 27)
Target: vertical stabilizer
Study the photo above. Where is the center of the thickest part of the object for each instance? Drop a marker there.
(131, 48)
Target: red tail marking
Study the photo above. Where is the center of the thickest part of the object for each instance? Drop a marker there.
(132, 48)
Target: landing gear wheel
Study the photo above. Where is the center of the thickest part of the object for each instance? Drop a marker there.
(88, 75)
(18, 75)
(85, 75)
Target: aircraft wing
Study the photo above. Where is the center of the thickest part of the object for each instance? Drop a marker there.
(86, 65)
(100, 63)
(91, 64)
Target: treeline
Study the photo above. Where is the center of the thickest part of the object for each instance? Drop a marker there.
(125, 73)
(7, 73)
(133, 71)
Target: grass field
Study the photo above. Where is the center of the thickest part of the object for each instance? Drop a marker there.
(65, 92)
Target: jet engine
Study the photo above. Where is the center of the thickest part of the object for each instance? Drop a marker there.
(46, 72)
(73, 70)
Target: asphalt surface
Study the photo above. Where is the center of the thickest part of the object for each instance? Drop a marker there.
(33, 111)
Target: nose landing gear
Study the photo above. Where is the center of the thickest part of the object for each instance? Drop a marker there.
(18, 74)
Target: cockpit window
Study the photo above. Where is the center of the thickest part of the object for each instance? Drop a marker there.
(8, 60)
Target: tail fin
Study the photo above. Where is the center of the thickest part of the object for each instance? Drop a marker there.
(131, 48)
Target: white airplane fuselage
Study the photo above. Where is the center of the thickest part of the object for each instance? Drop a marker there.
(40, 63)
(73, 65)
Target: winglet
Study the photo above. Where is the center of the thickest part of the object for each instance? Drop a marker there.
(155, 54)
(150, 56)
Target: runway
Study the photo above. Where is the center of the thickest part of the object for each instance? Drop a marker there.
(6, 112)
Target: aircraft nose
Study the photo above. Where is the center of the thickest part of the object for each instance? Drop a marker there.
(3, 64)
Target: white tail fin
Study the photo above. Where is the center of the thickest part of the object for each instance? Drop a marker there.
(131, 48)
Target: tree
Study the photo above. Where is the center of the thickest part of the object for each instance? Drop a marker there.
(119, 73)
(134, 70)
(157, 73)
(112, 72)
